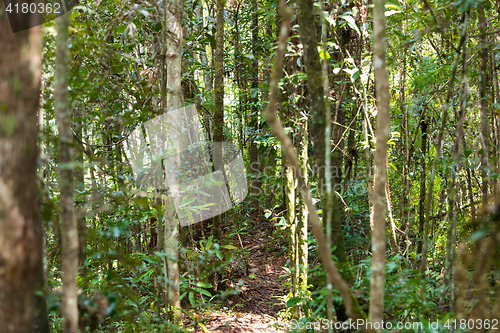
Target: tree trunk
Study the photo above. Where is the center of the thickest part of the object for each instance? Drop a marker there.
(452, 201)
(423, 178)
(352, 152)
(173, 102)
(69, 229)
(20, 226)
(307, 29)
(78, 125)
(41, 306)
(483, 82)
(253, 153)
(302, 217)
(219, 103)
(292, 222)
(379, 203)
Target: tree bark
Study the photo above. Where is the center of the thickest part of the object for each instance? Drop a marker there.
(483, 82)
(219, 102)
(423, 178)
(302, 218)
(79, 180)
(69, 229)
(452, 201)
(292, 222)
(253, 150)
(307, 29)
(173, 102)
(20, 226)
(379, 200)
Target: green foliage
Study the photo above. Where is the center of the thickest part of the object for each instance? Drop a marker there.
(115, 86)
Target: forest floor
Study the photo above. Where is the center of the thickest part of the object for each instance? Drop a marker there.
(256, 307)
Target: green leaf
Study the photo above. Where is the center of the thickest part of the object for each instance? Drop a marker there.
(389, 6)
(157, 26)
(211, 40)
(203, 291)
(140, 278)
(352, 23)
(203, 327)
(330, 20)
(230, 247)
(191, 298)
(121, 29)
(210, 242)
(322, 54)
(292, 301)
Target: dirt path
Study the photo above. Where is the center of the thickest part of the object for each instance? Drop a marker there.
(256, 306)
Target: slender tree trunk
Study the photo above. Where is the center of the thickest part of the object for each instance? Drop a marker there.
(78, 125)
(332, 163)
(307, 29)
(379, 203)
(253, 152)
(219, 100)
(389, 212)
(452, 201)
(20, 226)
(69, 228)
(173, 102)
(218, 122)
(423, 178)
(302, 212)
(41, 310)
(495, 96)
(403, 202)
(352, 152)
(238, 78)
(292, 222)
(483, 82)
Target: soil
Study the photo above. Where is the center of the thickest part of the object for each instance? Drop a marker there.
(256, 307)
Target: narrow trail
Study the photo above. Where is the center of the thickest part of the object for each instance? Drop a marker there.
(256, 307)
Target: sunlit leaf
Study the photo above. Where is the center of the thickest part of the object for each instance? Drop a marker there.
(351, 22)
